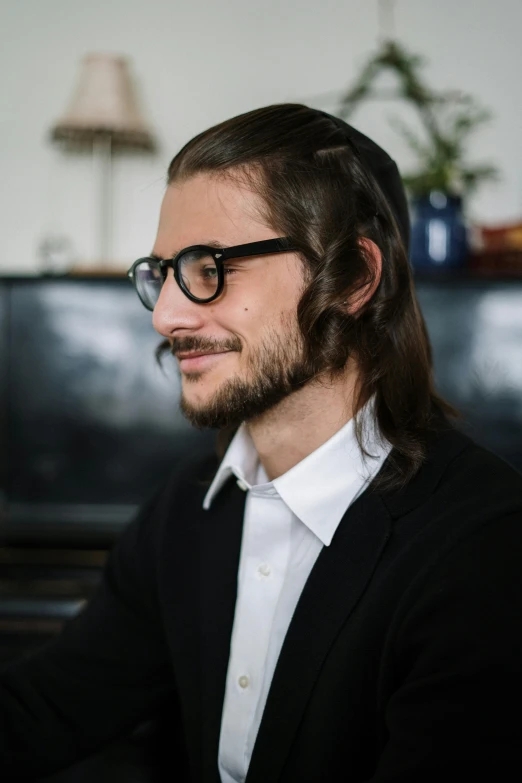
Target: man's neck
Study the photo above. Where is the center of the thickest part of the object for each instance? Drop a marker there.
(301, 423)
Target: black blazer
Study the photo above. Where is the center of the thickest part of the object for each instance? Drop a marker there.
(403, 661)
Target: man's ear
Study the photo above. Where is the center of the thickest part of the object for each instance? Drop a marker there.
(356, 301)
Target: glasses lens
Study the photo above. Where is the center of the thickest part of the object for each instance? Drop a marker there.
(148, 280)
(198, 273)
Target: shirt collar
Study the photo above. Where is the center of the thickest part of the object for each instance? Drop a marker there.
(320, 488)
(241, 460)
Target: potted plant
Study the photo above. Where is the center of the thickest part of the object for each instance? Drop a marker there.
(443, 177)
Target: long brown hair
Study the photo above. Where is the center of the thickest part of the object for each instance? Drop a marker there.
(317, 191)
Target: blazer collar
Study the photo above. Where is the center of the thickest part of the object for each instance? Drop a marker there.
(443, 447)
(336, 583)
(221, 530)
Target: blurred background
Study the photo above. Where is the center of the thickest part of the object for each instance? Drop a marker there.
(95, 99)
(194, 63)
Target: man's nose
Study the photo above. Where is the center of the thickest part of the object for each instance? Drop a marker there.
(175, 312)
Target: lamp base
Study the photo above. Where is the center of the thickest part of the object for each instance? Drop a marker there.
(99, 269)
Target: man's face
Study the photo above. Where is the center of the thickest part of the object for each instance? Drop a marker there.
(241, 354)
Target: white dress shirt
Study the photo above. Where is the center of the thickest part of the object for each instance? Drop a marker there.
(286, 524)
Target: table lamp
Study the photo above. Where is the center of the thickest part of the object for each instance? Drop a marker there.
(104, 114)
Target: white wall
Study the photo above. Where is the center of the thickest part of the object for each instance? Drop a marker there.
(197, 62)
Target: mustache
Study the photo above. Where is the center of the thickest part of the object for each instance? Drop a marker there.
(195, 343)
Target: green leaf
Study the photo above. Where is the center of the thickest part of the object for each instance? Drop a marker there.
(448, 120)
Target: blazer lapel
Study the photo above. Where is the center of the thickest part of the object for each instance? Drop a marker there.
(221, 532)
(334, 586)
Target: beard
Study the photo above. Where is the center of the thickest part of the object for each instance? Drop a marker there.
(275, 369)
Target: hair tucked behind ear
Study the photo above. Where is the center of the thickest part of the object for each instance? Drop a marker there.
(317, 191)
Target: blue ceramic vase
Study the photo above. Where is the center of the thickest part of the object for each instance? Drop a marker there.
(438, 234)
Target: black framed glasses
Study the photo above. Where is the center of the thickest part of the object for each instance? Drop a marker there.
(199, 269)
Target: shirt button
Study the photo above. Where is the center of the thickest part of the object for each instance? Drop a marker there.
(243, 681)
(264, 569)
(242, 485)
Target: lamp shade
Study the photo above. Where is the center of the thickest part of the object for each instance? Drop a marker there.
(104, 104)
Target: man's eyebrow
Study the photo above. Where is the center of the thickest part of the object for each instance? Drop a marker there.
(213, 243)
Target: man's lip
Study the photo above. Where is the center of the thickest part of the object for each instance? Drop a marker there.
(195, 354)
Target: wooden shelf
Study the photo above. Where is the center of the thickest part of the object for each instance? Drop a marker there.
(494, 267)
(464, 276)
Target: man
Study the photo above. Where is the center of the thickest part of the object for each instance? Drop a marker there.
(340, 598)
